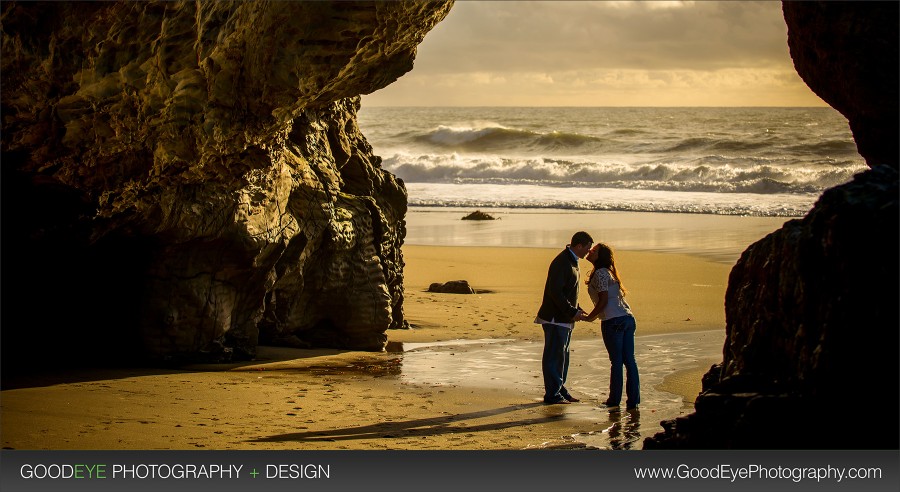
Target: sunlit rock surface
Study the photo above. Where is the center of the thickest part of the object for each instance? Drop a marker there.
(810, 358)
(187, 179)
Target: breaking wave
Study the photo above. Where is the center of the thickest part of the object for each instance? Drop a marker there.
(714, 173)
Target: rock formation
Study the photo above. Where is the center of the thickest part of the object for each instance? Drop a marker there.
(479, 215)
(811, 309)
(452, 287)
(187, 179)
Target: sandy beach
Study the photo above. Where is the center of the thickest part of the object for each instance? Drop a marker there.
(465, 376)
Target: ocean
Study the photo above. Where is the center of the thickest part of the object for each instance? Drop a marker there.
(761, 162)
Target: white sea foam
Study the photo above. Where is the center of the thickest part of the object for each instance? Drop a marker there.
(758, 161)
(621, 199)
(713, 173)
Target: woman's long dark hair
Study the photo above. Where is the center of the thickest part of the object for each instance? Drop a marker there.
(606, 259)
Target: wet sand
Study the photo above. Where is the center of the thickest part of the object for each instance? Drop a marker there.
(466, 376)
(720, 238)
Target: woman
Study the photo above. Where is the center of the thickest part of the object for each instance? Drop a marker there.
(616, 323)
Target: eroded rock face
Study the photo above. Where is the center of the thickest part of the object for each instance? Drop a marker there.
(811, 332)
(847, 53)
(188, 178)
(811, 309)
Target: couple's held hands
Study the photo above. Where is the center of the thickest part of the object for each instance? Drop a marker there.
(583, 316)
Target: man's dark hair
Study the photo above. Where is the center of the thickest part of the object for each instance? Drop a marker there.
(581, 237)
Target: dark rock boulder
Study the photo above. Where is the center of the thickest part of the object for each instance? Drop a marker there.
(811, 309)
(452, 287)
(187, 179)
(811, 313)
(479, 215)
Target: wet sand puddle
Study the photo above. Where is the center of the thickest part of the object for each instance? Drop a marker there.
(516, 365)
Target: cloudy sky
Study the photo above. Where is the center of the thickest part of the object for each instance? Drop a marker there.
(603, 53)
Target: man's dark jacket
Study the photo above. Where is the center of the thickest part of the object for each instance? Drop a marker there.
(560, 301)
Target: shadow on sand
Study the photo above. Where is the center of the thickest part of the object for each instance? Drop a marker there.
(420, 427)
(37, 375)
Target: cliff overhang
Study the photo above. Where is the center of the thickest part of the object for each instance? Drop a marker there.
(185, 180)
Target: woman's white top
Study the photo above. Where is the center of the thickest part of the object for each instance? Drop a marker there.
(616, 305)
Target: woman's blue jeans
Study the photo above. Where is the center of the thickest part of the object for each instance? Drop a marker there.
(618, 336)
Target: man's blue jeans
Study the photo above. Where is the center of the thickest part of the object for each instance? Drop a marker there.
(618, 336)
(555, 361)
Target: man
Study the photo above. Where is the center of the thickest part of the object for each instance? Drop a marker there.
(558, 313)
